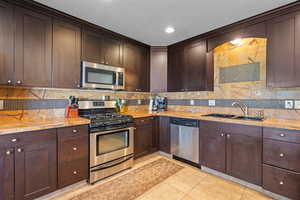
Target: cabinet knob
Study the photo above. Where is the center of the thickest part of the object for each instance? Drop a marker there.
(19, 150)
(282, 134)
(75, 131)
(222, 134)
(8, 153)
(9, 82)
(75, 172)
(228, 136)
(281, 155)
(78, 85)
(19, 82)
(106, 63)
(14, 140)
(281, 182)
(74, 148)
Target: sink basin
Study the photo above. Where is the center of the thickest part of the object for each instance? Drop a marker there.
(249, 118)
(228, 116)
(220, 115)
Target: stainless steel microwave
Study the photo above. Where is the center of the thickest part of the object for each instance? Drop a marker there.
(100, 76)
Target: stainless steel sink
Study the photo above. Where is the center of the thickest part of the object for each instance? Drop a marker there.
(229, 116)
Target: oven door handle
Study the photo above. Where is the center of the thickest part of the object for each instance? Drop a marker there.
(111, 164)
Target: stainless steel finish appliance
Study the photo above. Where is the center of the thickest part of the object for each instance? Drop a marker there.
(100, 76)
(111, 139)
(185, 139)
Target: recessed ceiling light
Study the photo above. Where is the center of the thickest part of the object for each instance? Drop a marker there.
(237, 42)
(169, 30)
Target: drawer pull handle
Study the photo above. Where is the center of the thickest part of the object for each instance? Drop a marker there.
(75, 172)
(281, 182)
(14, 140)
(281, 155)
(282, 134)
(74, 131)
(19, 150)
(8, 153)
(74, 148)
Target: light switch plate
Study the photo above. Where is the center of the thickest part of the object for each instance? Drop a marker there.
(297, 104)
(1, 104)
(289, 104)
(139, 101)
(211, 102)
(192, 102)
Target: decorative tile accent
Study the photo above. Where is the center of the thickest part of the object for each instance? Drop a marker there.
(240, 73)
(132, 184)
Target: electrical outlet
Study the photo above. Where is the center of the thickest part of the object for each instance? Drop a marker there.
(1, 104)
(192, 102)
(297, 104)
(211, 102)
(139, 101)
(289, 104)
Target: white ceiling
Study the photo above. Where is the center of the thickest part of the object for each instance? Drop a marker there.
(145, 20)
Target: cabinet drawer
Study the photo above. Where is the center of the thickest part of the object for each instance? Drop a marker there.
(143, 121)
(72, 172)
(73, 149)
(281, 181)
(282, 154)
(74, 131)
(282, 134)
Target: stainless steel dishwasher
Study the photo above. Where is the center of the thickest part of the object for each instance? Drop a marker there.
(185, 139)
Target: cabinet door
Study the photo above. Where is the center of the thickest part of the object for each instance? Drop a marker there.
(36, 165)
(33, 48)
(244, 157)
(212, 152)
(195, 66)
(91, 47)
(175, 69)
(112, 51)
(6, 44)
(143, 140)
(282, 71)
(144, 65)
(7, 167)
(131, 59)
(164, 140)
(66, 55)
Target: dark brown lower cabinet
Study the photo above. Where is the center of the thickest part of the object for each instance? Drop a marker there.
(36, 165)
(232, 149)
(281, 181)
(244, 157)
(143, 136)
(164, 138)
(7, 160)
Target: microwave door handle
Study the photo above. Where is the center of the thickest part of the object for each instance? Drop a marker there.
(117, 78)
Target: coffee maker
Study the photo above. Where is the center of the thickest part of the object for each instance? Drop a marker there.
(159, 103)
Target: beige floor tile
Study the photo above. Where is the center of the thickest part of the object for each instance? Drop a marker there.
(254, 195)
(214, 188)
(163, 192)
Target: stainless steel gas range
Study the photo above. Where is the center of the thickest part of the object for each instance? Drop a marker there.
(111, 138)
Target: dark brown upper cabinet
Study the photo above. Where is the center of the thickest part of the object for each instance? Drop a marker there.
(136, 63)
(102, 48)
(252, 31)
(112, 50)
(190, 67)
(283, 51)
(33, 48)
(6, 44)
(92, 42)
(66, 55)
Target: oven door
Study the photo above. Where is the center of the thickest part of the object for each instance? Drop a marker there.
(101, 76)
(110, 145)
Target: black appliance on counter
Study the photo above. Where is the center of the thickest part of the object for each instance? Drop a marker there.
(111, 138)
(160, 104)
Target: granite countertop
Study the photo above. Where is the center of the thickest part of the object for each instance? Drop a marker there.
(10, 125)
(268, 122)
